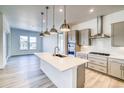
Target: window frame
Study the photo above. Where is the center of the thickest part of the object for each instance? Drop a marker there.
(28, 43)
(32, 42)
(21, 41)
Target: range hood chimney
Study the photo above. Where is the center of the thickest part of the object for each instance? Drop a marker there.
(100, 33)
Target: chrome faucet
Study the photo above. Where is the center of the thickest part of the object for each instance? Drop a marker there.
(56, 50)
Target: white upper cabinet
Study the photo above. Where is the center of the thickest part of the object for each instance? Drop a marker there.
(73, 36)
(84, 37)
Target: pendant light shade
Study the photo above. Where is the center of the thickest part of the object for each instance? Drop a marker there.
(65, 27)
(53, 29)
(42, 34)
(47, 33)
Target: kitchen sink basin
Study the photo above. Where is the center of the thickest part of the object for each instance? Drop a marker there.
(59, 55)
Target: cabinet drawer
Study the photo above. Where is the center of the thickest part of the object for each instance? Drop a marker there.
(95, 58)
(98, 57)
(98, 62)
(98, 68)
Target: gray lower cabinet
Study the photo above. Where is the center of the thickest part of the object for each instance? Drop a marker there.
(123, 72)
(80, 75)
(116, 68)
(97, 67)
(98, 63)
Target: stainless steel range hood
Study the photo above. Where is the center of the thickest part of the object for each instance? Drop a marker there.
(100, 33)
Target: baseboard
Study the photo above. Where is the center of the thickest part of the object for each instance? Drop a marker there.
(7, 58)
(21, 55)
(2, 66)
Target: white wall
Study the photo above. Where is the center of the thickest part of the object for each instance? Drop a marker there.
(102, 45)
(1, 41)
(49, 43)
(15, 41)
(4, 28)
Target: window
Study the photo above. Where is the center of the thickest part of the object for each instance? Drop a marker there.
(33, 42)
(23, 43)
(28, 43)
(61, 42)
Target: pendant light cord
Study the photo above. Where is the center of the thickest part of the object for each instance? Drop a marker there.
(42, 19)
(53, 16)
(64, 13)
(47, 18)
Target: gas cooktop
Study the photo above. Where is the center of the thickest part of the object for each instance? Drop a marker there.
(98, 53)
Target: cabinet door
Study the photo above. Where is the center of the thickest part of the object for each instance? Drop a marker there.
(80, 76)
(69, 36)
(81, 38)
(73, 35)
(123, 72)
(114, 69)
(84, 37)
(118, 34)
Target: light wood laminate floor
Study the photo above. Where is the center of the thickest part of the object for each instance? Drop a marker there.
(96, 79)
(24, 72)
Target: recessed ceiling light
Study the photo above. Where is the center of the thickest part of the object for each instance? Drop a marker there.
(91, 10)
(60, 10)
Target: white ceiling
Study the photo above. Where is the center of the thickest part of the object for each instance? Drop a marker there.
(28, 16)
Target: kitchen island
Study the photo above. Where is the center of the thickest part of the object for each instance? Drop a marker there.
(64, 72)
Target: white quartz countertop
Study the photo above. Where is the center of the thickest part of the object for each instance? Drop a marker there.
(61, 64)
(81, 52)
(117, 56)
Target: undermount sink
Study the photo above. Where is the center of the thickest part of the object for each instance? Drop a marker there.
(59, 55)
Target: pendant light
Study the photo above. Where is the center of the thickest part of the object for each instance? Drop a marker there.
(42, 34)
(53, 30)
(65, 27)
(47, 33)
